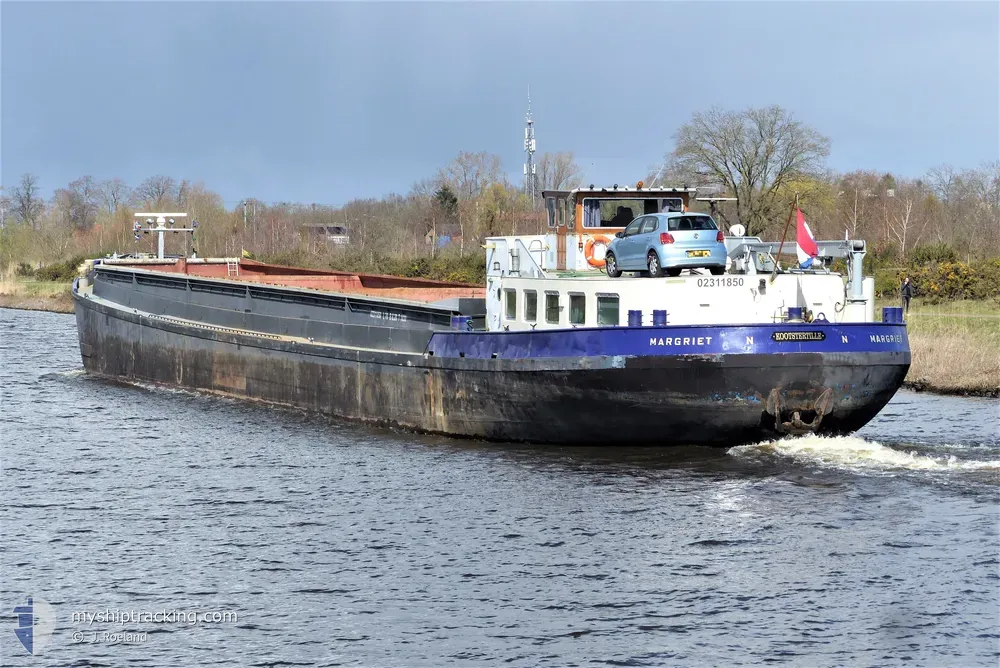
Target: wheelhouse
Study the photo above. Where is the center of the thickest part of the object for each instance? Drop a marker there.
(581, 222)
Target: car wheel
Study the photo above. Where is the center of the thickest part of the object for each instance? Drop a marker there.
(611, 266)
(676, 271)
(717, 271)
(653, 264)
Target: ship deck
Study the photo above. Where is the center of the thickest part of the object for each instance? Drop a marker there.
(340, 282)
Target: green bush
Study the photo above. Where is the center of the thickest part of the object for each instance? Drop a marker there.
(60, 271)
(932, 254)
(454, 268)
(288, 258)
(24, 269)
(943, 280)
(887, 283)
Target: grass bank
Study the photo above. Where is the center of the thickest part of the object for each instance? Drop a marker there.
(955, 346)
(36, 295)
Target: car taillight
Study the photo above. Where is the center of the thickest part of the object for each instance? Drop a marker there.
(720, 236)
(666, 238)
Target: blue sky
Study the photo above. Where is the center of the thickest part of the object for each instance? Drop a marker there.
(324, 102)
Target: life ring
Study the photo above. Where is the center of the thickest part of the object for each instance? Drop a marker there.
(595, 249)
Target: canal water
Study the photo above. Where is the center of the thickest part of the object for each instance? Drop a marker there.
(265, 537)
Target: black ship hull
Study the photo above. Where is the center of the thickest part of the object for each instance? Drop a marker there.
(714, 399)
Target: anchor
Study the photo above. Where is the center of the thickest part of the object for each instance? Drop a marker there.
(795, 424)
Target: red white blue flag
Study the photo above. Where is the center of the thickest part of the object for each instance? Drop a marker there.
(805, 242)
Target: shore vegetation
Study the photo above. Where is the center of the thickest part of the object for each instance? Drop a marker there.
(941, 229)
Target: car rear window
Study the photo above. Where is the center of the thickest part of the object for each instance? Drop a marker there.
(682, 223)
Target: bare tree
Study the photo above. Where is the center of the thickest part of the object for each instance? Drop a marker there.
(901, 215)
(943, 181)
(5, 204)
(753, 153)
(558, 171)
(78, 203)
(27, 202)
(425, 188)
(855, 193)
(157, 192)
(113, 194)
(980, 190)
(183, 190)
(470, 173)
(898, 221)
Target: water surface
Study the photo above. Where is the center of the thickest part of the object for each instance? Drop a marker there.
(339, 544)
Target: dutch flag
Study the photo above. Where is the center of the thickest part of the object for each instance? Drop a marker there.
(805, 242)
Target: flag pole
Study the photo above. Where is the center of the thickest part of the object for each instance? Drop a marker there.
(788, 222)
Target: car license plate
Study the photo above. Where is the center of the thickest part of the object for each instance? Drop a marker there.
(698, 253)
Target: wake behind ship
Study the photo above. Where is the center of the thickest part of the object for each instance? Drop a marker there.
(558, 347)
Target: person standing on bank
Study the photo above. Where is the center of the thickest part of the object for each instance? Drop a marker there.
(906, 291)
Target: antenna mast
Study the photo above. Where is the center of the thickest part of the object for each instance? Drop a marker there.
(530, 182)
(164, 222)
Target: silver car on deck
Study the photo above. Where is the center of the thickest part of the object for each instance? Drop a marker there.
(667, 243)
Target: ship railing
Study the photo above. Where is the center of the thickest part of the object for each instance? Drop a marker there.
(851, 249)
(522, 258)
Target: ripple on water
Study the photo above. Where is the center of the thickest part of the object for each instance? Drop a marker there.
(862, 455)
(338, 544)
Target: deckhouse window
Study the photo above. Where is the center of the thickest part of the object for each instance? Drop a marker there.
(530, 305)
(510, 304)
(607, 310)
(552, 308)
(577, 309)
(550, 207)
(672, 204)
(611, 212)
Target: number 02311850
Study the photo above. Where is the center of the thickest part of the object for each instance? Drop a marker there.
(723, 282)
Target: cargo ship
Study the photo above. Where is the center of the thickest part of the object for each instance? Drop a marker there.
(551, 350)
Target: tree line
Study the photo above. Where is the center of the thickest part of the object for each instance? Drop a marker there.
(468, 200)
(763, 157)
(768, 160)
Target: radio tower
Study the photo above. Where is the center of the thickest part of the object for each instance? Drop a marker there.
(530, 184)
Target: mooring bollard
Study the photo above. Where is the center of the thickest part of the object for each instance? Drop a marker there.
(634, 318)
(893, 314)
(659, 318)
(795, 314)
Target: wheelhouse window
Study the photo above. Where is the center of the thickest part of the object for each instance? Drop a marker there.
(577, 309)
(552, 308)
(510, 304)
(555, 208)
(672, 204)
(530, 305)
(607, 310)
(603, 212)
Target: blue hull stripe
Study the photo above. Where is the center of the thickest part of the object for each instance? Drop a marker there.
(674, 340)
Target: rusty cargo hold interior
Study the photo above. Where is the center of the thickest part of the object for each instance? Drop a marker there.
(341, 282)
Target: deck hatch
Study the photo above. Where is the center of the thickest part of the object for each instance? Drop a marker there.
(161, 281)
(337, 303)
(217, 289)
